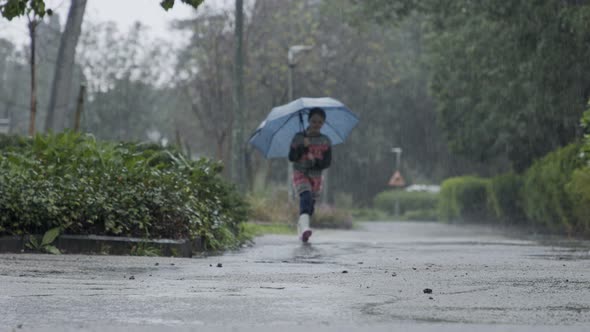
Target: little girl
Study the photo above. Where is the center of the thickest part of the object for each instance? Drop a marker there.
(310, 153)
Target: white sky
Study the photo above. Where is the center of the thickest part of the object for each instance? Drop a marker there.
(122, 12)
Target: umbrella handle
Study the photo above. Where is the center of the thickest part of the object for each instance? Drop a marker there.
(301, 124)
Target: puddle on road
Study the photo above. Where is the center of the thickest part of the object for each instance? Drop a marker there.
(565, 254)
(303, 254)
(306, 251)
(124, 270)
(308, 254)
(562, 257)
(472, 243)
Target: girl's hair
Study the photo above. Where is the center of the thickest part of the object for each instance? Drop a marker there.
(318, 111)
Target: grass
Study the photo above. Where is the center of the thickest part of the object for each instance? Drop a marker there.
(369, 215)
(257, 229)
(360, 215)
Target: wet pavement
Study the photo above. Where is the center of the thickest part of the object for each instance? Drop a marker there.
(408, 276)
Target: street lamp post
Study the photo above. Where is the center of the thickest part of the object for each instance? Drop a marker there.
(398, 157)
(292, 62)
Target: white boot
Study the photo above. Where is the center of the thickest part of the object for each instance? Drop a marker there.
(303, 230)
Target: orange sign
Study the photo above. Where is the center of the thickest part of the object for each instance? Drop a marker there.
(397, 180)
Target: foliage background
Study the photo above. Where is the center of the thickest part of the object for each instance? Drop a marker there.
(463, 87)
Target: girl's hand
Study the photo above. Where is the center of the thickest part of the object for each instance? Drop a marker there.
(305, 141)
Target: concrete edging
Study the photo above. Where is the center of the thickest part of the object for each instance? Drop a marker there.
(108, 245)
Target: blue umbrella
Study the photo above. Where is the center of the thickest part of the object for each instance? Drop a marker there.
(273, 136)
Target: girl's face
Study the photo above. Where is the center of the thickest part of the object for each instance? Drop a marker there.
(315, 124)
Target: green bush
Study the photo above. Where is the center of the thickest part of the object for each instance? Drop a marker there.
(84, 186)
(408, 201)
(578, 190)
(12, 141)
(546, 202)
(504, 198)
(464, 199)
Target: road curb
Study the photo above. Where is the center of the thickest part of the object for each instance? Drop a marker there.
(108, 245)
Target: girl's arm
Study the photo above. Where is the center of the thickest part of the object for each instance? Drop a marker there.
(297, 148)
(326, 161)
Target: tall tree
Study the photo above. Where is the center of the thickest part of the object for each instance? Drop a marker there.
(507, 76)
(15, 95)
(34, 21)
(205, 74)
(238, 144)
(124, 73)
(61, 91)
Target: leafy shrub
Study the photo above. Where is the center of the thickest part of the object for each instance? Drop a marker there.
(408, 201)
(85, 186)
(463, 199)
(578, 190)
(585, 122)
(46, 243)
(546, 201)
(504, 198)
(11, 141)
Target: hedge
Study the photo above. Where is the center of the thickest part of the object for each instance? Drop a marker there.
(545, 199)
(408, 201)
(86, 186)
(504, 198)
(578, 190)
(464, 199)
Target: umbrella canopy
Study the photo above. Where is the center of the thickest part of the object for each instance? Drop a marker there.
(273, 136)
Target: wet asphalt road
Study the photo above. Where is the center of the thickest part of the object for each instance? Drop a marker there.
(372, 279)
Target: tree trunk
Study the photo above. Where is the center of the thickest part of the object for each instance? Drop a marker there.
(79, 108)
(32, 32)
(238, 149)
(59, 111)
